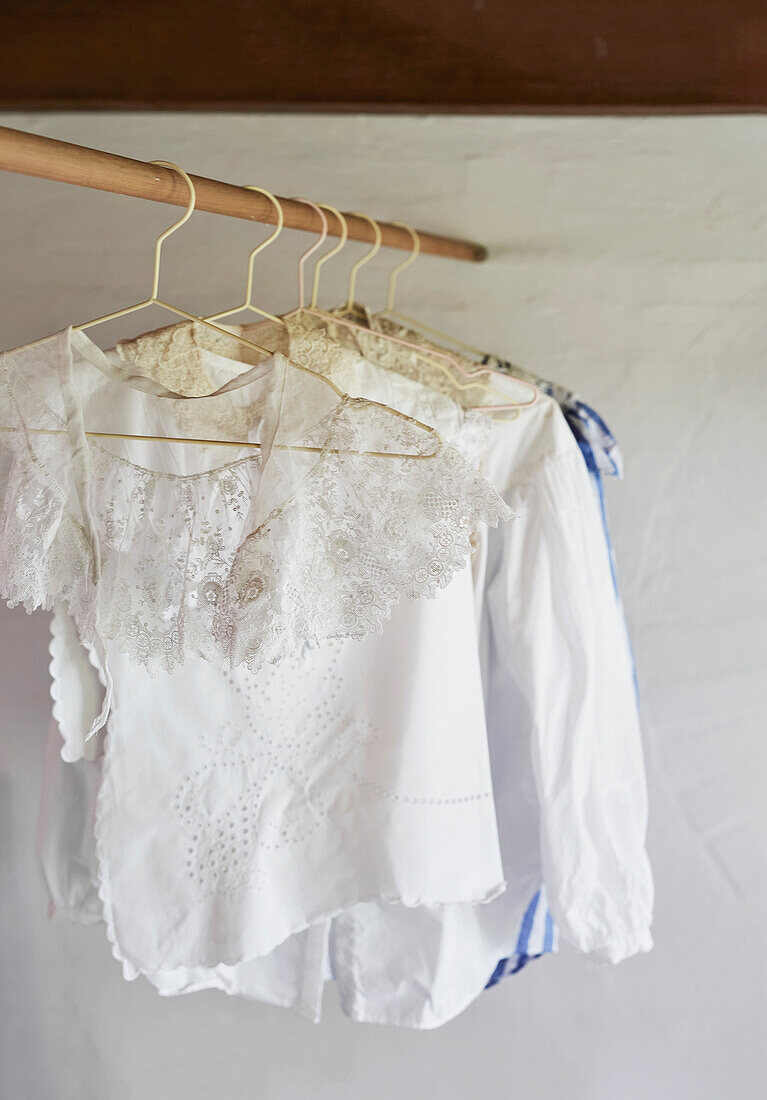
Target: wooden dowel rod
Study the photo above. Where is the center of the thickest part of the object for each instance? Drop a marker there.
(50, 159)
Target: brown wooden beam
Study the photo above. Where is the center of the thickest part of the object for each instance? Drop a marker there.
(466, 55)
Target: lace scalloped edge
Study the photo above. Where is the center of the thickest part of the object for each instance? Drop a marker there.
(492, 513)
(12, 599)
(492, 517)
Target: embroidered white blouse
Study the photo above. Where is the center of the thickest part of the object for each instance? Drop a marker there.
(344, 507)
(566, 755)
(558, 671)
(244, 801)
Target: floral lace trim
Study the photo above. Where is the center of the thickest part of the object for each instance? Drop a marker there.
(174, 355)
(45, 554)
(465, 428)
(183, 573)
(409, 363)
(371, 543)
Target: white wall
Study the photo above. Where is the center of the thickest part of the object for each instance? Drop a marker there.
(627, 260)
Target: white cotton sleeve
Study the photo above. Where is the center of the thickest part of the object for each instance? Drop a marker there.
(556, 629)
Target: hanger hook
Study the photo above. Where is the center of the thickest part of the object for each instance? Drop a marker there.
(177, 224)
(344, 236)
(364, 259)
(264, 244)
(411, 259)
(312, 248)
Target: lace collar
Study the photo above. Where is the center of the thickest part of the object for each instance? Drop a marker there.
(305, 339)
(412, 364)
(240, 563)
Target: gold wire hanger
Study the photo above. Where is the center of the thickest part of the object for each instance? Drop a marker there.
(422, 354)
(355, 268)
(154, 300)
(338, 317)
(309, 252)
(390, 311)
(396, 271)
(329, 255)
(302, 307)
(248, 305)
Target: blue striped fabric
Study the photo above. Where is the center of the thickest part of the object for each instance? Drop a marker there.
(537, 936)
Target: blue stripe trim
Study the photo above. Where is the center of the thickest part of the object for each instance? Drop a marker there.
(526, 928)
(497, 974)
(522, 961)
(548, 939)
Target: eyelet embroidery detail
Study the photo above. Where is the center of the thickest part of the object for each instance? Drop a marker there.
(254, 795)
(263, 787)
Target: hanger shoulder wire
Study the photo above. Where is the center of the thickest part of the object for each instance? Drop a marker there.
(240, 443)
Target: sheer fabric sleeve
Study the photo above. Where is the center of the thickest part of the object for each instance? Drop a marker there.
(557, 629)
(46, 551)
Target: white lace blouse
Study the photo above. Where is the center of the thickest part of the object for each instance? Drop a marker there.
(173, 551)
(244, 800)
(567, 769)
(568, 774)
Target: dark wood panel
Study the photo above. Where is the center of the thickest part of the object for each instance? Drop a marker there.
(486, 55)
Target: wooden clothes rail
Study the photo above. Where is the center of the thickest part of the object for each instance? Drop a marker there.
(50, 159)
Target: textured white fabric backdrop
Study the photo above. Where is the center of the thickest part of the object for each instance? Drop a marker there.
(628, 261)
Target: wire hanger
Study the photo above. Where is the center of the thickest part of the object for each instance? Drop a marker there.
(425, 355)
(390, 311)
(154, 300)
(309, 252)
(399, 268)
(248, 305)
(355, 268)
(333, 252)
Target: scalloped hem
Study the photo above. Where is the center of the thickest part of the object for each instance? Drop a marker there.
(71, 751)
(233, 957)
(218, 955)
(132, 969)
